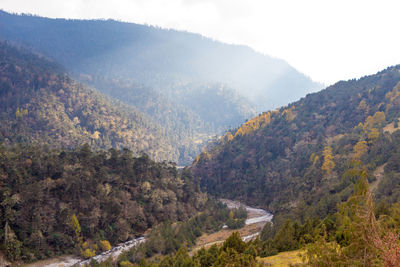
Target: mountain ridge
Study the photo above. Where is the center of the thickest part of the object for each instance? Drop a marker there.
(176, 52)
(40, 103)
(297, 160)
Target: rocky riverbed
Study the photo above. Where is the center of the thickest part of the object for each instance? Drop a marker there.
(256, 219)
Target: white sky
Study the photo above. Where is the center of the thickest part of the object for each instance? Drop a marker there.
(327, 40)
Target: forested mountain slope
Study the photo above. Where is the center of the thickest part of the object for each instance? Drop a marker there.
(306, 157)
(40, 104)
(56, 202)
(61, 193)
(168, 75)
(190, 118)
(156, 57)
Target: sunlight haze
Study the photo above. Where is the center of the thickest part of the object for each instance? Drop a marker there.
(326, 40)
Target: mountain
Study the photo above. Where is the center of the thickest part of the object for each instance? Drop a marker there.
(303, 159)
(62, 192)
(39, 103)
(157, 57)
(191, 119)
(166, 74)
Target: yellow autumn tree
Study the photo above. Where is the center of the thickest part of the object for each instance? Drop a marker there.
(88, 253)
(77, 228)
(88, 249)
(375, 121)
(231, 215)
(19, 113)
(328, 163)
(105, 245)
(373, 135)
(379, 118)
(146, 186)
(228, 137)
(360, 149)
(393, 95)
(363, 106)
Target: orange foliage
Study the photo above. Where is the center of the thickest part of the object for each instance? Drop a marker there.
(254, 124)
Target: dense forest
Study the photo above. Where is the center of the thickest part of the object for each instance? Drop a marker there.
(332, 183)
(300, 160)
(88, 150)
(56, 201)
(360, 233)
(192, 117)
(168, 75)
(83, 202)
(39, 103)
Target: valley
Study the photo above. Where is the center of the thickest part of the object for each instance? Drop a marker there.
(129, 145)
(254, 224)
(185, 86)
(255, 221)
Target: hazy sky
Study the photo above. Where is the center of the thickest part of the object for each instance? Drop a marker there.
(326, 40)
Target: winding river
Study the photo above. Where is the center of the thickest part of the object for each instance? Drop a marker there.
(255, 215)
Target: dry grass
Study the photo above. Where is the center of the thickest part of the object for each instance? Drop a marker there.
(207, 240)
(284, 259)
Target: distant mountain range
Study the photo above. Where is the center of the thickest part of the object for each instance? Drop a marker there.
(192, 87)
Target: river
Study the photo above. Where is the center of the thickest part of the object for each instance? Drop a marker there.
(255, 215)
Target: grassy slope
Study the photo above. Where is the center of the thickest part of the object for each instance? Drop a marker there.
(283, 259)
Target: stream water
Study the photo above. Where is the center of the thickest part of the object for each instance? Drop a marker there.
(114, 253)
(255, 216)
